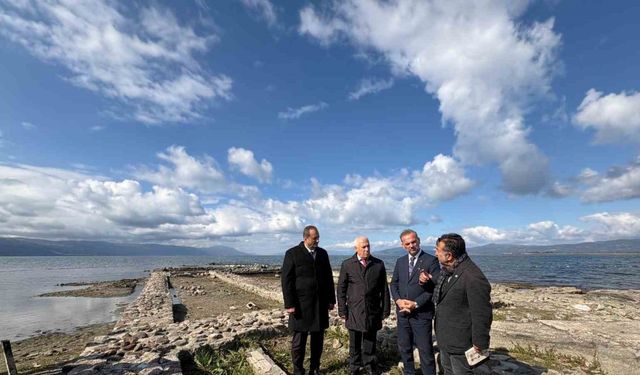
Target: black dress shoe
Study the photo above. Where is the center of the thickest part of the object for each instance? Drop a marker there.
(315, 372)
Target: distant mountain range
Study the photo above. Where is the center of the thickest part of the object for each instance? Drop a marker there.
(598, 247)
(35, 247)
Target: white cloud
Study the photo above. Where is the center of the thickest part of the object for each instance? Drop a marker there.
(185, 172)
(550, 231)
(27, 125)
(370, 86)
(477, 59)
(614, 225)
(617, 184)
(483, 234)
(192, 202)
(245, 162)
(146, 64)
(48, 202)
(539, 233)
(375, 245)
(125, 203)
(264, 8)
(370, 202)
(559, 190)
(614, 117)
(441, 179)
(295, 113)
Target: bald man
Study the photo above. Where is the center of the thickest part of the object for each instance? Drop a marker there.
(363, 302)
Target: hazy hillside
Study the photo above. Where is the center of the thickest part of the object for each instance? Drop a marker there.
(35, 247)
(598, 247)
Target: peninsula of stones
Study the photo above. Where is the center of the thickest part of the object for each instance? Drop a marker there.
(154, 336)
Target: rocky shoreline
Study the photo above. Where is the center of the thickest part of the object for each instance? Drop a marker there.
(536, 330)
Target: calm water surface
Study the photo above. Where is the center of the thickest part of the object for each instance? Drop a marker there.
(22, 314)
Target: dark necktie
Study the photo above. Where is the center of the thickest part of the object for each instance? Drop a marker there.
(412, 262)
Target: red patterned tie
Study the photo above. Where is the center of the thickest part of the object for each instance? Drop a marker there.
(363, 262)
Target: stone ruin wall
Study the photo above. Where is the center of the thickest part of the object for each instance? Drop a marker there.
(146, 340)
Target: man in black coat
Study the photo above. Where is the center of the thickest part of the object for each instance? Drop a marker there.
(309, 294)
(413, 303)
(363, 301)
(463, 306)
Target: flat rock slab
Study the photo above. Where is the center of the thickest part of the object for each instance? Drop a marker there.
(615, 344)
(263, 364)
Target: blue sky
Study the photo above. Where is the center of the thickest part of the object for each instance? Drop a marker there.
(239, 122)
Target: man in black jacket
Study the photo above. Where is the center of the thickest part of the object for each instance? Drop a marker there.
(363, 301)
(463, 306)
(309, 294)
(414, 305)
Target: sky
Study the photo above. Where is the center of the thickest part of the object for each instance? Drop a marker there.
(237, 123)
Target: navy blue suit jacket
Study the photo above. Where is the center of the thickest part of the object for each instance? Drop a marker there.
(405, 286)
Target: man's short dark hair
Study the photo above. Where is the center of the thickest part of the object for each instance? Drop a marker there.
(454, 244)
(406, 232)
(307, 229)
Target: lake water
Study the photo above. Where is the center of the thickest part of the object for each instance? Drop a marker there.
(23, 278)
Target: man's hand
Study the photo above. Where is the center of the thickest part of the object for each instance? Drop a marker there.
(331, 306)
(291, 310)
(424, 277)
(405, 305)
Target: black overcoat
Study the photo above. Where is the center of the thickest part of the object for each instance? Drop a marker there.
(363, 294)
(463, 310)
(307, 285)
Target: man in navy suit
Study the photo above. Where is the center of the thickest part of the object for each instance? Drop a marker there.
(413, 303)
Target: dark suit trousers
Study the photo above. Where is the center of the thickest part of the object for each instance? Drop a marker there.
(455, 364)
(362, 349)
(414, 331)
(298, 347)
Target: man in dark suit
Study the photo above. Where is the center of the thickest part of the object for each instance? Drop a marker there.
(363, 302)
(309, 294)
(413, 303)
(463, 306)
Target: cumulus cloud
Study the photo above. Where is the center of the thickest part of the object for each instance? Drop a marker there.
(146, 64)
(618, 183)
(245, 162)
(442, 179)
(614, 117)
(614, 225)
(483, 234)
(27, 125)
(481, 63)
(184, 171)
(58, 203)
(296, 113)
(539, 233)
(264, 8)
(370, 202)
(370, 86)
(191, 201)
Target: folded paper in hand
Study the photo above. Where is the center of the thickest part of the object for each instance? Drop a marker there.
(474, 357)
